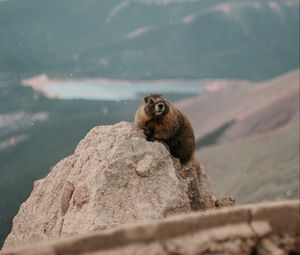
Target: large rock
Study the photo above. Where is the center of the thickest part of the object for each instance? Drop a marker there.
(114, 177)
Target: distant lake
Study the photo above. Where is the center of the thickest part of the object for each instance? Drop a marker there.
(123, 90)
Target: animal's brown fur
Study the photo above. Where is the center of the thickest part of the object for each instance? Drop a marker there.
(169, 125)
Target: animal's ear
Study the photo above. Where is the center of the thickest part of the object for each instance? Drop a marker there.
(146, 98)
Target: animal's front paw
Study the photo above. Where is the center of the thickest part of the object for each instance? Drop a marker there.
(150, 138)
(149, 133)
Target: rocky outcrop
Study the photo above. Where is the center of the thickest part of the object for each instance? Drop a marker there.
(114, 177)
(263, 229)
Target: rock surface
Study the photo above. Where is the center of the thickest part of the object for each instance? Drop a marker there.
(264, 229)
(114, 177)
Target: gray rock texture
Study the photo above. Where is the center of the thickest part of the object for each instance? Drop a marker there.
(264, 229)
(114, 177)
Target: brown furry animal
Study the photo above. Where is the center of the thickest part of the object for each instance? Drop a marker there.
(161, 121)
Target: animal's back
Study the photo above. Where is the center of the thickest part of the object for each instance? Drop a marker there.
(182, 144)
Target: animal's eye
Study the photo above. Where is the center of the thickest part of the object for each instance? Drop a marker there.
(151, 101)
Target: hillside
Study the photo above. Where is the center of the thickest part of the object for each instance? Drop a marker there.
(262, 167)
(249, 107)
(246, 130)
(138, 39)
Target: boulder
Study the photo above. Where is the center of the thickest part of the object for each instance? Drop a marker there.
(114, 177)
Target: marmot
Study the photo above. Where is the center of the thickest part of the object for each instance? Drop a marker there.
(160, 120)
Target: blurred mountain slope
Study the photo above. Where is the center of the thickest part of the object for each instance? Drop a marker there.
(234, 167)
(253, 107)
(251, 40)
(246, 130)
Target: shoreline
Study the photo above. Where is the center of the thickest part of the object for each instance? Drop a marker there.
(105, 88)
(114, 89)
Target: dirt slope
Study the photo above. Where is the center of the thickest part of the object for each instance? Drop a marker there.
(255, 107)
(262, 167)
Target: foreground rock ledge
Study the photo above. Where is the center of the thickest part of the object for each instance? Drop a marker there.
(265, 229)
(114, 177)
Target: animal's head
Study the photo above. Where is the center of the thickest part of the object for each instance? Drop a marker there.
(155, 105)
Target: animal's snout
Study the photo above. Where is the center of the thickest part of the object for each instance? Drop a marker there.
(160, 106)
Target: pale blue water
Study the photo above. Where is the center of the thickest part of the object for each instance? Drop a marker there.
(115, 91)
